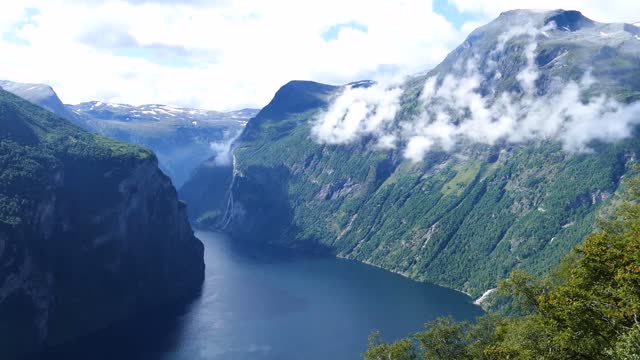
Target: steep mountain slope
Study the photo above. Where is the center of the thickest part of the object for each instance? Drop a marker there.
(207, 191)
(463, 199)
(91, 231)
(181, 138)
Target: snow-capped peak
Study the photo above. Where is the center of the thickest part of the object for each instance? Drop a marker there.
(114, 105)
(172, 109)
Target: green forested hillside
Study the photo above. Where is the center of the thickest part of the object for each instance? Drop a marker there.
(91, 231)
(35, 144)
(587, 308)
(524, 206)
(490, 211)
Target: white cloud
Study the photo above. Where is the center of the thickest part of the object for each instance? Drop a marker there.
(598, 10)
(222, 150)
(233, 53)
(454, 111)
(239, 52)
(357, 112)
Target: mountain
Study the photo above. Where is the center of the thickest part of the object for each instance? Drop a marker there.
(39, 94)
(91, 231)
(501, 157)
(181, 138)
(207, 190)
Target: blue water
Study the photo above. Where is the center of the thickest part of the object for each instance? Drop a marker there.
(267, 304)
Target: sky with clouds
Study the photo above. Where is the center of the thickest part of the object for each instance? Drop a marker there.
(229, 54)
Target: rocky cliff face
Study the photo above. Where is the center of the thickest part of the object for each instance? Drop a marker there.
(91, 231)
(478, 200)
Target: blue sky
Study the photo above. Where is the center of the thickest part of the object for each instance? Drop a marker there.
(27, 19)
(441, 7)
(227, 54)
(334, 30)
(452, 14)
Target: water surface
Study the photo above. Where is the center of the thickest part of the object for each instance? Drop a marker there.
(267, 304)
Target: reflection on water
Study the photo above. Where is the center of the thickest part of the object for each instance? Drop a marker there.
(268, 304)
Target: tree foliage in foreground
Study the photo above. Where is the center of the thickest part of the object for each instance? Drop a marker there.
(587, 308)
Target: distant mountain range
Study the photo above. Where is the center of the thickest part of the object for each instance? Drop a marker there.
(182, 138)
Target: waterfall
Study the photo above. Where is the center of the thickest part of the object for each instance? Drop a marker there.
(228, 212)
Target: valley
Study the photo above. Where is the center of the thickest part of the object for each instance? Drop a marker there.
(485, 208)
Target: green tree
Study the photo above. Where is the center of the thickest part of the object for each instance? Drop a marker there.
(600, 300)
(628, 346)
(400, 350)
(444, 339)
